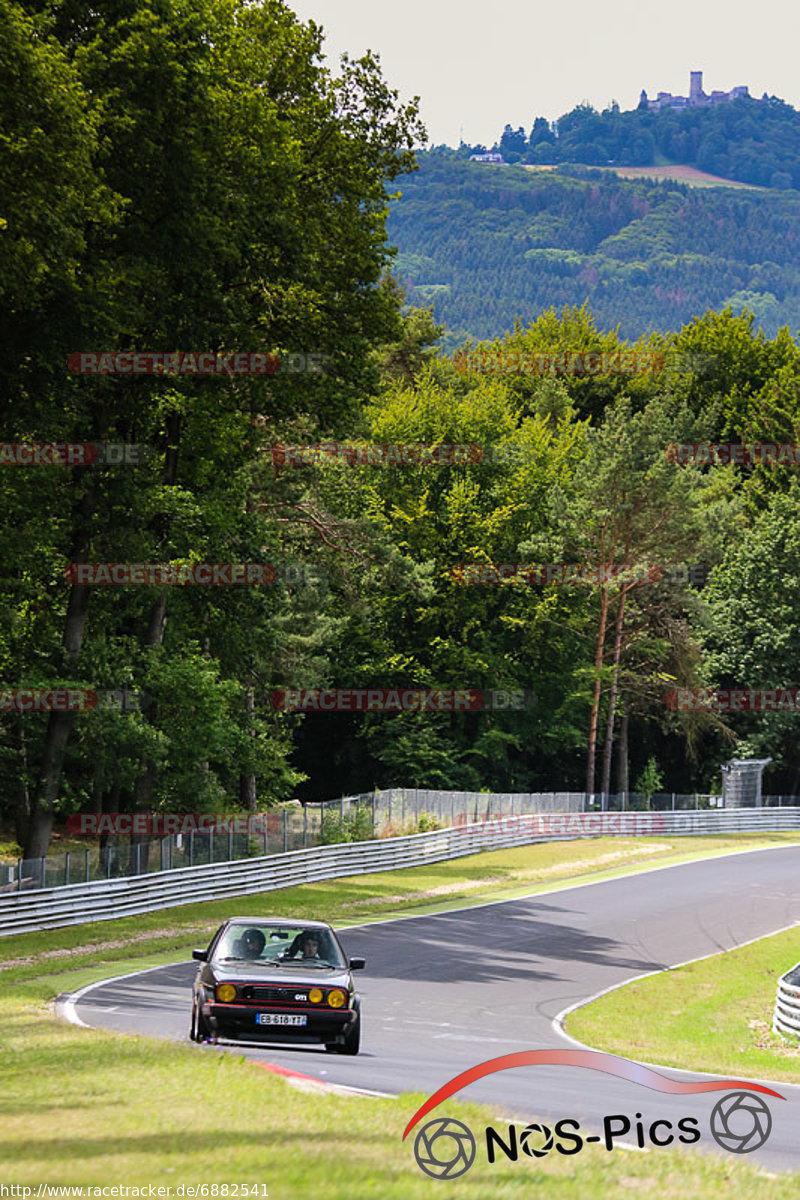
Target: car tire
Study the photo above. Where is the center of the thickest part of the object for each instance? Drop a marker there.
(352, 1040)
(199, 1030)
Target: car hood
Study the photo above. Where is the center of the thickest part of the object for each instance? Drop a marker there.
(246, 972)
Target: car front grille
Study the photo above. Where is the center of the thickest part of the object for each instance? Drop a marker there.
(273, 995)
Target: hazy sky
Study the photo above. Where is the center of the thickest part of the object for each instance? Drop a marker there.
(477, 64)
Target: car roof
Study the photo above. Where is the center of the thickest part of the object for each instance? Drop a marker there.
(285, 922)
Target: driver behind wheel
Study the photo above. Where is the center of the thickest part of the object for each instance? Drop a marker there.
(306, 945)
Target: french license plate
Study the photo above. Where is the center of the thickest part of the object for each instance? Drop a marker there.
(279, 1019)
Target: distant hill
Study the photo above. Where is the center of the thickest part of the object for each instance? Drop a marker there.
(486, 244)
(752, 141)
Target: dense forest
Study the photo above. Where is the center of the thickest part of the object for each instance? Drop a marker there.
(753, 141)
(487, 245)
(128, 231)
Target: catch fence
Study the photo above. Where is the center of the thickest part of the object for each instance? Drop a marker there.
(386, 813)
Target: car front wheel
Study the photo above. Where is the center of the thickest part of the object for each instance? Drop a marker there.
(199, 1030)
(352, 1040)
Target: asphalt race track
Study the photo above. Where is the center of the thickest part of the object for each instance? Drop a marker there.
(443, 993)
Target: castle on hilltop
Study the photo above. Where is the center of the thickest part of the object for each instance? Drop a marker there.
(697, 98)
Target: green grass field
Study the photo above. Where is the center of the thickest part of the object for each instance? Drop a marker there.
(714, 1015)
(87, 1107)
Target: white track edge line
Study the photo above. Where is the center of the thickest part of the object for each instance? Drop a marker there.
(66, 1004)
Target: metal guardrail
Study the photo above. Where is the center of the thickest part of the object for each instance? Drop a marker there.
(103, 900)
(786, 1018)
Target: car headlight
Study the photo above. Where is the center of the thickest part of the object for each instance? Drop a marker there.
(316, 995)
(226, 992)
(337, 998)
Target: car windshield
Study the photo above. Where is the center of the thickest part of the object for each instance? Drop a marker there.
(279, 945)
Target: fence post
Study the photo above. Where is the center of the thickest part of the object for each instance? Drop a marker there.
(305, 826)
(211, 845)
(266, 850)
(161, 849)
(66, 867)
(191, 849)
(673, 802)
(86, 863)
(285, 833)
(230, 843)
(19, 873)
(374, 793)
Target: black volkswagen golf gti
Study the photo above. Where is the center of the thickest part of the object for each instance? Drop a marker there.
(272, 979)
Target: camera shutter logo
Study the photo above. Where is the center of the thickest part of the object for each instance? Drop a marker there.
(527, 1140)
(444, 1148)
(740, 1122)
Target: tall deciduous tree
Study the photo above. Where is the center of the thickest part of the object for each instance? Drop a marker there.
(245, 193)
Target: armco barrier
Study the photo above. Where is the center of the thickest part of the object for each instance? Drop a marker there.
(786, 1019)
(102, 900)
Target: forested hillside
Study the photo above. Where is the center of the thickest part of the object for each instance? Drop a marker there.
(486, 245)
(754, 141)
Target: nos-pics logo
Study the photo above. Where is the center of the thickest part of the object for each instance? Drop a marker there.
(444, 1148)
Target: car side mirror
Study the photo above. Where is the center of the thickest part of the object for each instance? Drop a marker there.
(200, 955)
(357, 964)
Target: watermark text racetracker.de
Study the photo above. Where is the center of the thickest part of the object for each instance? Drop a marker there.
(622, 361)
(399, 699)
(568, 825)
(66, 699)
(74, 454)
(377, 454)
(196, 362)
(444, 1148)
(177, 574)
(738, 453)
(785, 699)
(497, 574)
(166, 824)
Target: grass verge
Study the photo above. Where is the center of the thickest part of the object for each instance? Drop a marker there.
(714, 1015)
(85, 1108)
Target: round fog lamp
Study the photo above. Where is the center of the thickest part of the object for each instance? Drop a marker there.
(226, 992)
(336, 998)
(315, 995)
